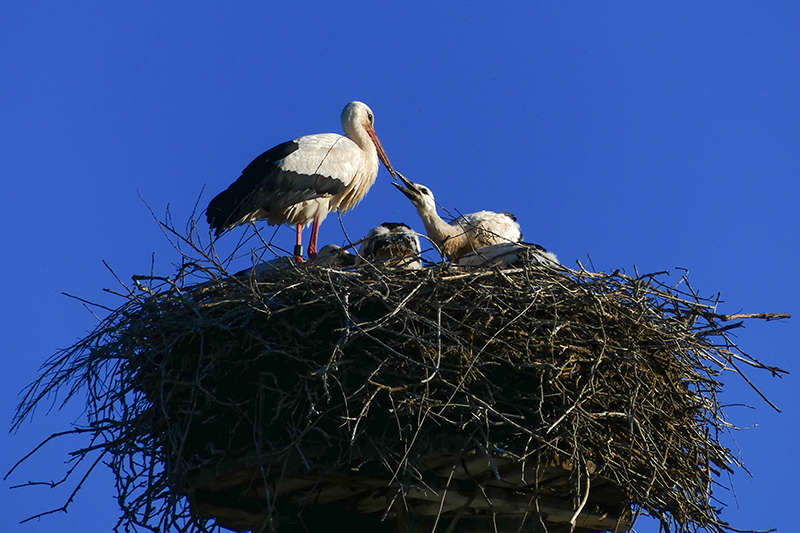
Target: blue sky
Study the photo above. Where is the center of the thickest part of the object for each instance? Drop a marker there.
(656, 136)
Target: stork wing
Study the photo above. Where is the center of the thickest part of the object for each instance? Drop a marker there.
(303, 169)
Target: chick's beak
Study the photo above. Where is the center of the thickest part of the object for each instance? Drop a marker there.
(409, 190)
(409, 183)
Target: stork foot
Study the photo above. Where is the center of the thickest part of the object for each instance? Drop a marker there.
(312, 251)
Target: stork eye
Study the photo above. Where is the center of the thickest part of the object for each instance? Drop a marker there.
(369, 117)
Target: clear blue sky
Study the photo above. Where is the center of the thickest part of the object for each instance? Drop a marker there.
(659, 137)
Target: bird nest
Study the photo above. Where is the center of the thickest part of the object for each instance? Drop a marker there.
(538, 398)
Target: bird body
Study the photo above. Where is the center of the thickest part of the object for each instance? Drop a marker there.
(486, 228)
(266, 269)
(465, 234)
(334, 256)
(330, 255)
(508, 254)
(393, 244)
(304, 179)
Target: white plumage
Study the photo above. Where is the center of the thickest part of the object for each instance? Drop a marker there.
(392, 244)
(332, 255)
(508, 254)
(305, 179)
(266, 269)
(466, 233)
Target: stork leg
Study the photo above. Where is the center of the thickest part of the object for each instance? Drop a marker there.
(298, 247)
(312, 246)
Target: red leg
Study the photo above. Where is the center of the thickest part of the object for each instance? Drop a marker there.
(298, 247)
(312, 246)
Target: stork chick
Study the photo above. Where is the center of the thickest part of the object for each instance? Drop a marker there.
(332, 255)
(466, 233)
(508, 254)
(391, 244)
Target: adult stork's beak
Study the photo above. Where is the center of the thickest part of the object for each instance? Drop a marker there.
(410, 189)
(381, 151)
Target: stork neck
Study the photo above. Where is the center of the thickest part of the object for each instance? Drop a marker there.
(438, 230)
(358, 135)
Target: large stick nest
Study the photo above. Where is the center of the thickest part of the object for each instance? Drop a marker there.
(550, 395)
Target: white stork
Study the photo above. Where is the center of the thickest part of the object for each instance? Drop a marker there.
(305, 179)
(392, 244)
(265, 269)
(508, 254)
(466, 233)
(332, 255)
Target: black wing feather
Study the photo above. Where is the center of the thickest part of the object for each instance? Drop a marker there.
(265, 186)
(537, 247)
(393, 225)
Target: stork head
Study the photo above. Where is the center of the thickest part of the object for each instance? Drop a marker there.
(357, 114)
(420, 195)
(332, 255)
(357, 118)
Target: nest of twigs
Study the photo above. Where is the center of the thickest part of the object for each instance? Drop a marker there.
(538, 398)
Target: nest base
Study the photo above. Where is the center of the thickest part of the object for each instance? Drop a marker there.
(469, 491)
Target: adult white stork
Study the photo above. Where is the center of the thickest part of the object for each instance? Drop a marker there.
(305, 179)
(391, 244)
(466, 233)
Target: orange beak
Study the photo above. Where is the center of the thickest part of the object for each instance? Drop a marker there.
(381, 152)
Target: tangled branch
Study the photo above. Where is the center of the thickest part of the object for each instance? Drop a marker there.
(564, 398)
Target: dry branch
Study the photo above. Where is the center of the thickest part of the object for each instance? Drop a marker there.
(563, 399)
